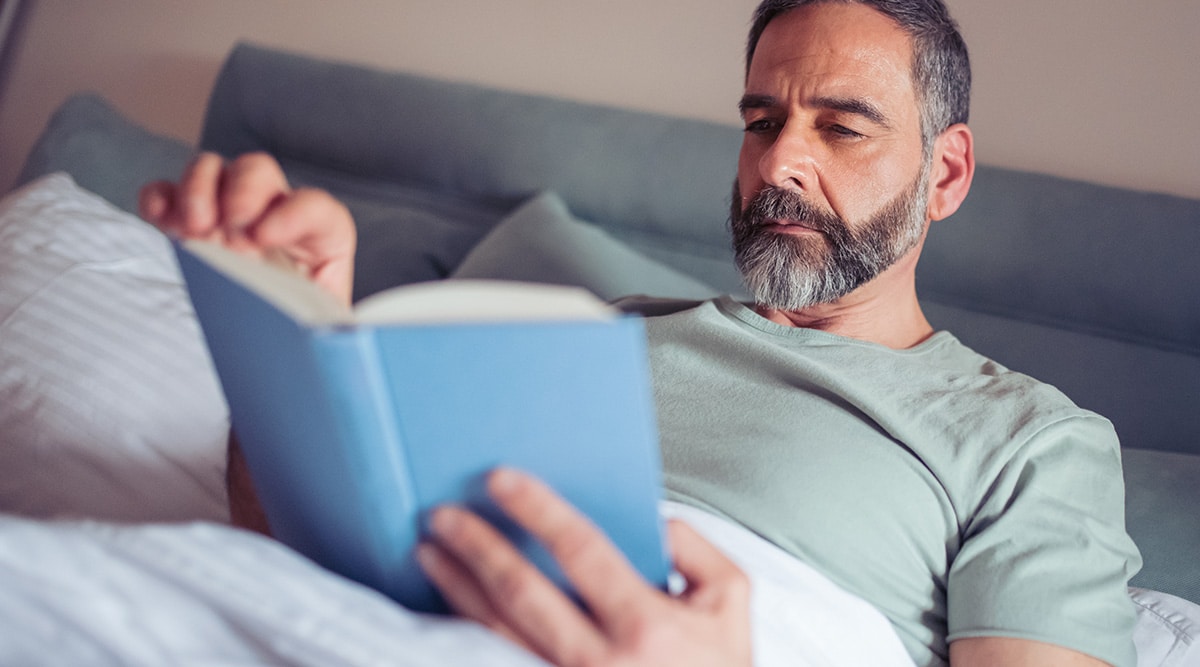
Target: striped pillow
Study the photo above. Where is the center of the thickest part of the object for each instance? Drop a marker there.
(109, 408)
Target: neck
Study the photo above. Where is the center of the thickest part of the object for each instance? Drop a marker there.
(884, 310)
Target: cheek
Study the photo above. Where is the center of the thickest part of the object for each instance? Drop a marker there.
(859, 187)
(749, 182)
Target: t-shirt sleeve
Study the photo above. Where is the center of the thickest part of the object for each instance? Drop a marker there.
(1046, 556)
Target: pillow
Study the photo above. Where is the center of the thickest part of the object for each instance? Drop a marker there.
(542, 242)
(1167, 633)
(105, 152)
(109, 407)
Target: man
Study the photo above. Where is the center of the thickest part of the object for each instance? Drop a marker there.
(979, 510)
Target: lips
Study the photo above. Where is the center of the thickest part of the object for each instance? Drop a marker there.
(788, 225)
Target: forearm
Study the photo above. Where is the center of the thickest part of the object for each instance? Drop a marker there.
(1003, 651)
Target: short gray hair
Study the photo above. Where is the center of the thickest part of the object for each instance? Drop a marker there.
(941, 68)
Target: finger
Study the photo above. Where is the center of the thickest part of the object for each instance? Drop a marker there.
(309, 221)
(155, 201)
(316, 232)
(600, 573)
(196, 213)
(529, 603)
(714, 581)
(249, 186)
(462, 592)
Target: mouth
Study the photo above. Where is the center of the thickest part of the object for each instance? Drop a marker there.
(787, 226)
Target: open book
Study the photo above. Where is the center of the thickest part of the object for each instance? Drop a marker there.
(355, 424)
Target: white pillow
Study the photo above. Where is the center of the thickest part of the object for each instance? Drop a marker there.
(109, 407)
(1167, 633)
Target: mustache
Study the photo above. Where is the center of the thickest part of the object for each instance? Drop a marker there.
(773, 204)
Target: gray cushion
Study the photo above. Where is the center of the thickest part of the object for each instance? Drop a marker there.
(103, 151)
(1162, 492)
(542, 242)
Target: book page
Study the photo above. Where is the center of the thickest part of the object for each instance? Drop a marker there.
(448, 301)
(444, 301)
(283, 288)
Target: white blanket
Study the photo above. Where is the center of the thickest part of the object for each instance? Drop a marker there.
(83, 593)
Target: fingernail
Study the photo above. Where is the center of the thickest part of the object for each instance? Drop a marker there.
(444, 522)
(428, 557)
(503, 481)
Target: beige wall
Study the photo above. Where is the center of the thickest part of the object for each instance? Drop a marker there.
(1103, 90)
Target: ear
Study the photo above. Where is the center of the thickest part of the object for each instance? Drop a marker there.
(953, 170)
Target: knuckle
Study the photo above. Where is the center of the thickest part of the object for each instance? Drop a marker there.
(317, 197)
(204, 169)
(573, 543)
(254, 158)
(193, 186)
(324, 205)
(202, 159)
(646, 637)
(251, 182)
(260, 164)
(196, 205)
(738, 580)
(515, 585)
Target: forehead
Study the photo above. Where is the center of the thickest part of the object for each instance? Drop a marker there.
(841, 48)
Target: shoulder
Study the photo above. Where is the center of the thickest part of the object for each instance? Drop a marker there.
(1028, 405)
(988, 432)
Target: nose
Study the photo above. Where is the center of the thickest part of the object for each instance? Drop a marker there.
(789, 161)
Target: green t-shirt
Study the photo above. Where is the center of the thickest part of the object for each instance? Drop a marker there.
(960, 498)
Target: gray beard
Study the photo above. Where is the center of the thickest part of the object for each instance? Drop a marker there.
(786, 272)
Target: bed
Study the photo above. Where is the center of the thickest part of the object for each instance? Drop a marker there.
(113, 426)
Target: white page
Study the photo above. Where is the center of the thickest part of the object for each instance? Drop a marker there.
(447, 301)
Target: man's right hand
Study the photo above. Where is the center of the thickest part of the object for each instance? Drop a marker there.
(248, 206)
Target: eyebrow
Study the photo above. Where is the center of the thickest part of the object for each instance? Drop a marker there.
(750, 101)
(852, 105)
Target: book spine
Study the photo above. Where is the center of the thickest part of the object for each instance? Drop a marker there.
(371, 441)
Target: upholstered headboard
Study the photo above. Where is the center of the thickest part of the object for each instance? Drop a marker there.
(1087, 287)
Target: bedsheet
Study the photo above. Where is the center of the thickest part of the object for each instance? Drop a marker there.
(89, 593)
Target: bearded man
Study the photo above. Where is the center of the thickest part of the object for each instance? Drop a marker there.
(979, 510)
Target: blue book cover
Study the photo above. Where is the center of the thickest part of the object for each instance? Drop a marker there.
(354, 426)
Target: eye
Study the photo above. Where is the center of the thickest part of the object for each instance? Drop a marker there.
(761, 126)
(844, 132)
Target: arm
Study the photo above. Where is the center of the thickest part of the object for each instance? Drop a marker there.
(630, 623)
(1005, 652)
(1043, 573)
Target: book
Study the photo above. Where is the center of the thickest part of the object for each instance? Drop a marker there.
(356, 423)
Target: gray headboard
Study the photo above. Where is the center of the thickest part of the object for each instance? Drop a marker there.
(1091, 288)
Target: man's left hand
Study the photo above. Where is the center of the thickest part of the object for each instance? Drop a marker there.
(483, 577)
